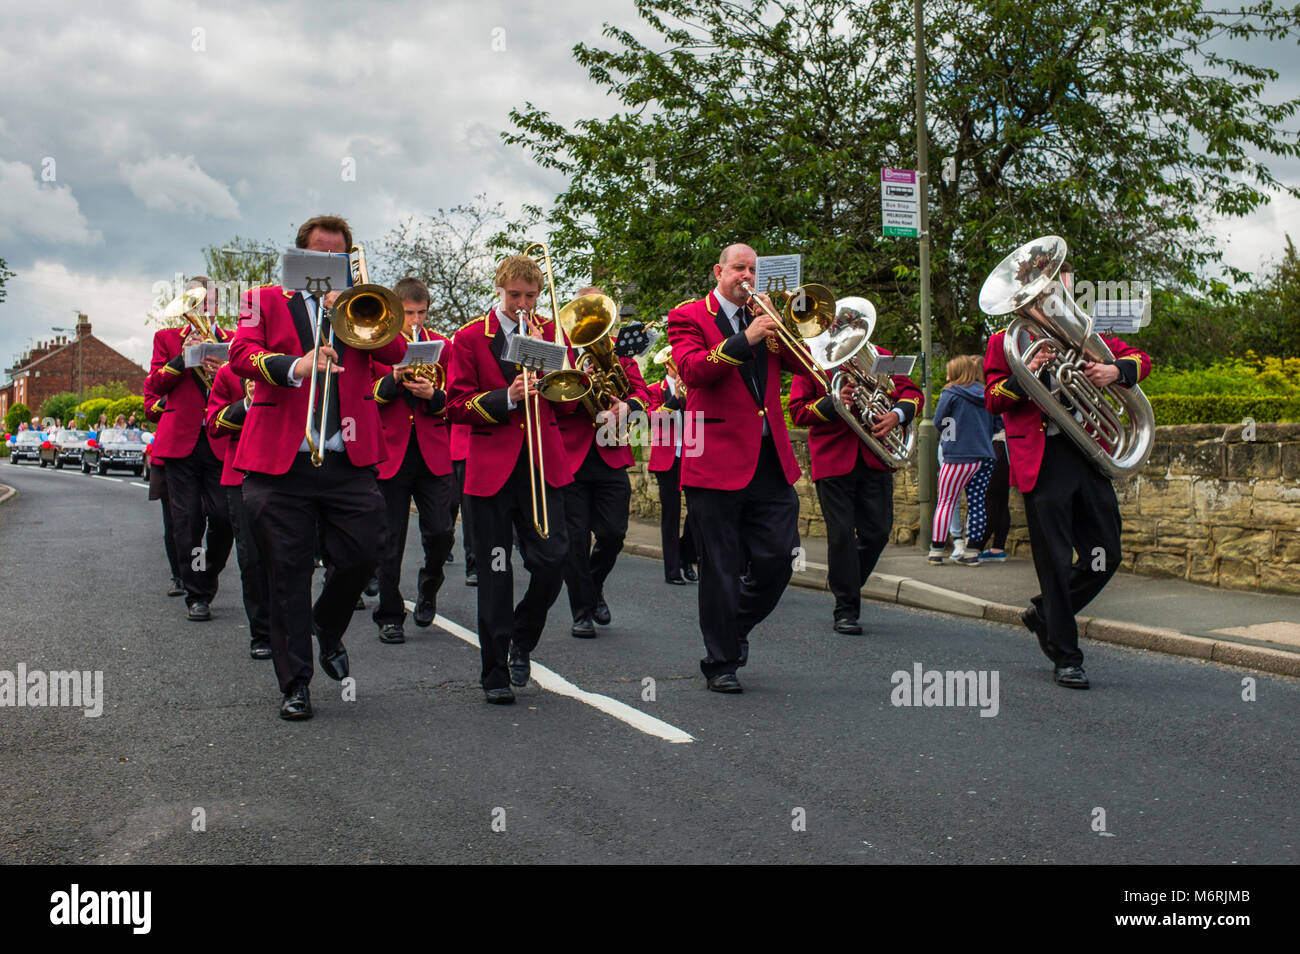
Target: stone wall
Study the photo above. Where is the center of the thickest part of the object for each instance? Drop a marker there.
(1208, 507)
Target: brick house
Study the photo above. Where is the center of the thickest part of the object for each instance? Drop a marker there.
(67, 365)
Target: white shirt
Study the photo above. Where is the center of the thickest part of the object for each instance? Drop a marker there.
(508, 327)
(335, 443)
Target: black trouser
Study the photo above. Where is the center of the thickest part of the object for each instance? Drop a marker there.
(252, 572)
(496, 519)
(197, 499)
(859, 511)
(285, 511)
(678, 549)
(432, 495)
(996, 500)
(169, 540)
(758, 525)
(466, 519)
(1072, 507)
(595, 504)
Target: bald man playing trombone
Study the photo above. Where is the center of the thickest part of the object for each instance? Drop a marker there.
(740, 486)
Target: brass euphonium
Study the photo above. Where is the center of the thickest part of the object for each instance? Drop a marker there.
(845, 349)
(187, 305)
(588, 323)
(1115, 427)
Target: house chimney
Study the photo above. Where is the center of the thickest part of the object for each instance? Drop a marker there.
(83, 326)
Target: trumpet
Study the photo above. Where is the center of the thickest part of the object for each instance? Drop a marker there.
(369, 316)
(814, 314)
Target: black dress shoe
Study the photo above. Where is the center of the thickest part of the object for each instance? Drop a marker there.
(424, 612)
(296, 704)
(198, 612)
(499, 697)
(177, 588)
(583, 628)
(519, 667)
(601, 613)
(471, 579)
(1072, 677)
(677, 580)
(392, 633)
(691, 574)
(361, 604)
(335, 663)
(1035, 625)
(849, 627)
(372, 588)
(259, 649)
(727, 682)
(744, 651)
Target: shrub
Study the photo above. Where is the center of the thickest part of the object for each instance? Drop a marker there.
(1223, 408)
(126, 406)
(92, 409)
(16, 415)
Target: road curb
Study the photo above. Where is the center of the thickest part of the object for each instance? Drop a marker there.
(905, 591)
(6, 492)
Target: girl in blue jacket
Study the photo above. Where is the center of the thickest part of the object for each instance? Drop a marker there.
(966, 437)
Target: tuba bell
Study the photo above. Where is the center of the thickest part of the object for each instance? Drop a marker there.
(845, 349)
(1115, 426)
(588, 323)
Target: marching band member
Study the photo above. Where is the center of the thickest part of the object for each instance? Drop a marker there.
(739, 489)
(418, 466)
(487, 394)
(459, 451)
(1070, 506)
(667, 401)
(153, 411)
(854, 486)
(597, 502)
(228, 406)
(287, 497)
(192, 470)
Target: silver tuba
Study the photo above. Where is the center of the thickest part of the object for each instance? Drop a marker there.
(845, 348)
(1115, 427)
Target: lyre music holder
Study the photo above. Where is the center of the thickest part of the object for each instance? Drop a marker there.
(535, 354)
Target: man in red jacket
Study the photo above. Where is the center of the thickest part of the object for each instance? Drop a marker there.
(418, 467)
(487, 394)
(1069, 505)
(740, 486)
(191, 468)
(287, 497)
(596, 503)
(228, 406)
(854, 487)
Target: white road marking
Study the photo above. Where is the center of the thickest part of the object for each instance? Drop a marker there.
(554, 682)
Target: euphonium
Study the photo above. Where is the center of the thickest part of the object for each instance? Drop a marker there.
(186, 305)
(1115, 427)
(588, 323)
(845, 349)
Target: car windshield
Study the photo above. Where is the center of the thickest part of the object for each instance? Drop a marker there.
(69, 437)
(112, 436)
(30, 437)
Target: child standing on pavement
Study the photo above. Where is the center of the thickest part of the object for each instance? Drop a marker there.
(965, 436)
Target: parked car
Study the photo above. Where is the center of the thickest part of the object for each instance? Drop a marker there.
(65, 448)
(26, 446)
(114, 449)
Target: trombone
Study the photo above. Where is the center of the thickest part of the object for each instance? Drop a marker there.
(369, 317)
(563, 385)
(813, 316)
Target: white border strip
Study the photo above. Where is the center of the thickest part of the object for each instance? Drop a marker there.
(554, 682)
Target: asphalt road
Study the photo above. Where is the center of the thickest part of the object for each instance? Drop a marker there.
(813, 763)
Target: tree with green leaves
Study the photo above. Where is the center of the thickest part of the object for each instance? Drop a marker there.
(1122, 127)
(17, 414)
(5, 275)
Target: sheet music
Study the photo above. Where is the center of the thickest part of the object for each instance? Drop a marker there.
(194, 354)
(421, 352)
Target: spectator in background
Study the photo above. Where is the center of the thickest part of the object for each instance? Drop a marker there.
(36, 423)
(965, 436)
(131, 422)
(103, 423)
(119, 422)
(996, 501)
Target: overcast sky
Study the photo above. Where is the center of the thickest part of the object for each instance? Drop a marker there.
(134, 133)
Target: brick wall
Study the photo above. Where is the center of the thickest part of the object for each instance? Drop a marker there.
(1208, 507)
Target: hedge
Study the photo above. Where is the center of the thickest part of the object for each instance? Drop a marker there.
(1222, 408)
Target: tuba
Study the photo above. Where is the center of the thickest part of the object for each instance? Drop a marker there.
(1115, 427)
(845, 349)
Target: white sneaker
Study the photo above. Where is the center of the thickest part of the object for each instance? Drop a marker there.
(958, 550)
(935, 557)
